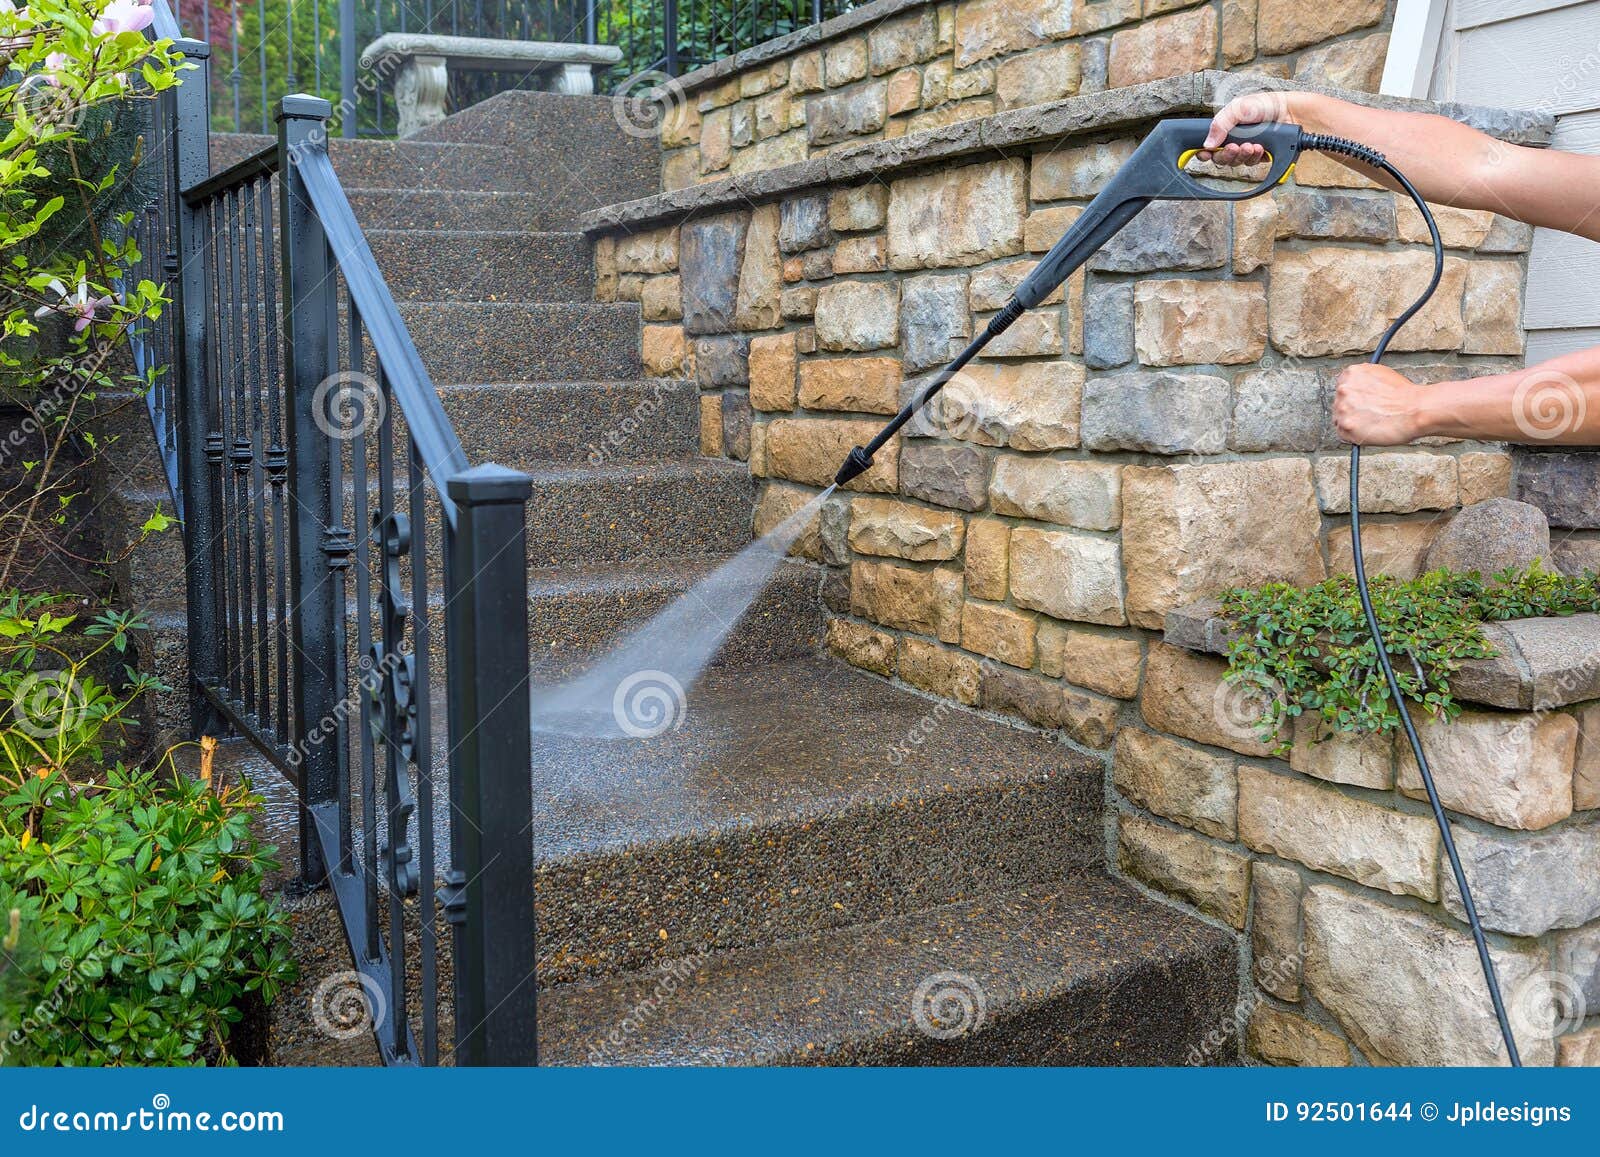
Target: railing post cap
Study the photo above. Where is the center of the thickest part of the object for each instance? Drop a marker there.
(192, 49)
(303, 106)
(489, 483)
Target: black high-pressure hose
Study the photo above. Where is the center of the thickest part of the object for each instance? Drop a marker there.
(1150, 175)
(1331, 144)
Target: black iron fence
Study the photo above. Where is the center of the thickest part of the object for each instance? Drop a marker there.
(335, 532)
(267, 48)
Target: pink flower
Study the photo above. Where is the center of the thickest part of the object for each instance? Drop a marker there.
(79, 305)
(56, 65)
(123, 16)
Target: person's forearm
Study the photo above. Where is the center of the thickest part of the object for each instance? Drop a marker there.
(1557, 402)
(1453, 164)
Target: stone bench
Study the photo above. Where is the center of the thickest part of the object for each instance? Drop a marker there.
(420, 65)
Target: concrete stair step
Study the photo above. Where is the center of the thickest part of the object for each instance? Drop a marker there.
(1078, 971)
(583, 153)
(593, 422)
(623, 511)
(576, 613)
(408, 164)
(445, 209)
(458, 265)
(777, 807)
(476, 342)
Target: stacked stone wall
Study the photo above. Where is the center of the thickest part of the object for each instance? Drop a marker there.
(1155, 433)
(893, 67)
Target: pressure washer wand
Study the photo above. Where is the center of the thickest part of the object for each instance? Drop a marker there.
(1156, 171)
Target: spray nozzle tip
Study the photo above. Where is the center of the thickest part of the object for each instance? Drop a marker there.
(858, 461)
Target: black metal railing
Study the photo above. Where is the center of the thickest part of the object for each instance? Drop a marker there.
(267, 48)
(334, 532)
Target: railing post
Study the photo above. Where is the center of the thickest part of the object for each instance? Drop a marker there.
(490, 885)
(319, 546)
(190, 134)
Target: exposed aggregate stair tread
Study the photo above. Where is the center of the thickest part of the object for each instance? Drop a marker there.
(480, 342)
(609, 421)
(1081, 972)
(482, 265)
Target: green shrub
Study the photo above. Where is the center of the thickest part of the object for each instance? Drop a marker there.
(1308, 649)
(135, 926)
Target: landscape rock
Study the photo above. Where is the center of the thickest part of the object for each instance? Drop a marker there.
(1491, 536)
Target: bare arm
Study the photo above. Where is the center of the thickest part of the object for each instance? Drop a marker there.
(1555, 402)
(1450, 163)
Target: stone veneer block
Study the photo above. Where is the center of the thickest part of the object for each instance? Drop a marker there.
(1157, 412)
(1211, 876)
(1337, 302)
(1577, 954)
(1586, 765)
(1430, 1007)
(1086, 719)
(1196, 529)
(1332, 832)
(1030, 406)
(885, 526)
(809, 450)
(1282, 1038)
(1184, 784)
(1342, 756)
(1086, 495)
(1276, 947)
(1512, 770)
(1563, 484)
(1527, 885)
(1067, 575)
(710, 251)
(960, 216)
(1186, 694)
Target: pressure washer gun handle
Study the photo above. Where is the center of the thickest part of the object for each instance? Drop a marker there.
(1157, 171)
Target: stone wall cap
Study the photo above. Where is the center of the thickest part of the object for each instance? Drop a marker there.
(1017, 130)
(1543, 663)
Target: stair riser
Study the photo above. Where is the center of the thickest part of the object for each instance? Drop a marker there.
(473, 344)
(529, 267)
(615, 519)
(566, 630)
(592, 422)
(445, 210)
(1168, 1013)
(367, 164)
(605, 914)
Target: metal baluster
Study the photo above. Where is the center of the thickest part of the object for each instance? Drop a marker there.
(259, 337)
(421, 653)
(234, 78)
(372, 677)
(393, 534)
(288, 52)
(217, 449)
(349, 114)
(240, 454)
(277, 465)
(261, 62)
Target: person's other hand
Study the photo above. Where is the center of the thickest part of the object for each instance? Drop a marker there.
(1254, 109)
(1375, 406)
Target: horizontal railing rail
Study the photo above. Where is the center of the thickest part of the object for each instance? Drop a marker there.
(333, 528)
